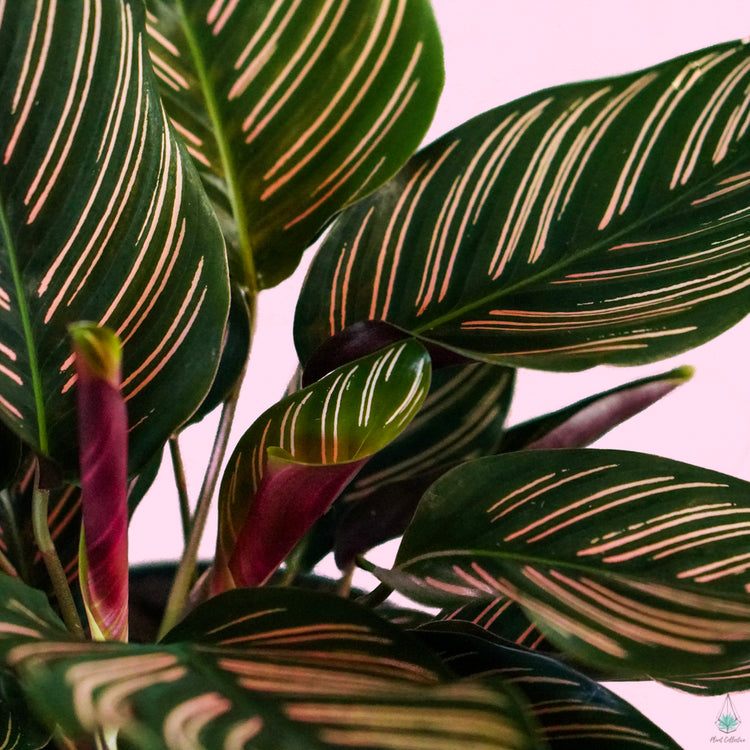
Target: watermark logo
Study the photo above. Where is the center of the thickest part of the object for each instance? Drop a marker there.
(728, 720)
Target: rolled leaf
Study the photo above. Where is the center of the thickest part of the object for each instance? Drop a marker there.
(293, 110)
(103, 441)
(102, 218)
(619, 558)
(462, 418)
(296, 458)
(598, 222)
(263, 668)
(580, 424)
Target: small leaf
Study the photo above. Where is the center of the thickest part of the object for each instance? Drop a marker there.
(103, 441)
(582, 423)
(620, 559)
(597, 222)
(296, 458)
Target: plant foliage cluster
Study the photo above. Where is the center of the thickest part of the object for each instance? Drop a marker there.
(162, 163)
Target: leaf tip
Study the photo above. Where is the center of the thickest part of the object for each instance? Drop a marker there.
(98, 349)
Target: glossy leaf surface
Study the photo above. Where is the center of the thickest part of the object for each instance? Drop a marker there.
(573, 710)
(99, 208)
(580, 424)
(620, 558)
(600, 222)
(273, 673)
(296, 458)
(292, 110)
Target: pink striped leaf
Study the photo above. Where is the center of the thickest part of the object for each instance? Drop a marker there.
(598, 222)
(263, 668)
(293, 110)
(634, 563)
(296, 458)
(103, 442)
(102, 218)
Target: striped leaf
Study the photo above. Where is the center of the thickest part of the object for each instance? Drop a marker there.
(462, 418)
(20, 728)
(269, 673)
(634, 563)
(573, 711)
(599, 222)
(99, 207)
(580, 424)
(292, 110)
(297, 457)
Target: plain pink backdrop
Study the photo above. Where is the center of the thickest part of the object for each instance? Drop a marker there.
(495, 51)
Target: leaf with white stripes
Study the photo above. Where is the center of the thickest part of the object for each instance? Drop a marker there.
(102, 218)
(573, 710)
(598, 222)
(293, 109)
(256, 668)
(634, 563)
(296, 458)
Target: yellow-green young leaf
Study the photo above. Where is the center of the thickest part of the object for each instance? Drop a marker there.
(635, 563)
(265, 668)
(598, 222)
(102, 218)
(297, 457)
(293, 109)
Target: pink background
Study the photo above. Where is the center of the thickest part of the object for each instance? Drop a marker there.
(495, 51)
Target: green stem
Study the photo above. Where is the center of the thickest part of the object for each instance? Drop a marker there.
(183, 581)
(178, 467)
(39, 511)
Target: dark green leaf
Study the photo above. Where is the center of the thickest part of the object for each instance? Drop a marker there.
(292, 110)
(599, 222)
(275, 672)
(620, 558)
(102, 218)
(572, 710)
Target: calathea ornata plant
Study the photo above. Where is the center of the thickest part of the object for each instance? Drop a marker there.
(163, 164)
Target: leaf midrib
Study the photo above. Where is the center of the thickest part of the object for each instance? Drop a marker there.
(234, 190)
(28, 333)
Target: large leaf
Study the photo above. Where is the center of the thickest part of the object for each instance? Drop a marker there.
(634, 563)
(604, 221)
(274, 668)
(296, 458)
(102, 218)
(572, 710)
(293, 109)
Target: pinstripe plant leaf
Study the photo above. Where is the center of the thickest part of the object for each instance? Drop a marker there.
(268, 672)
(573, 710)
(617, 557)
(99, 210)
(277, 161)
(599, 222)
(298, 456)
